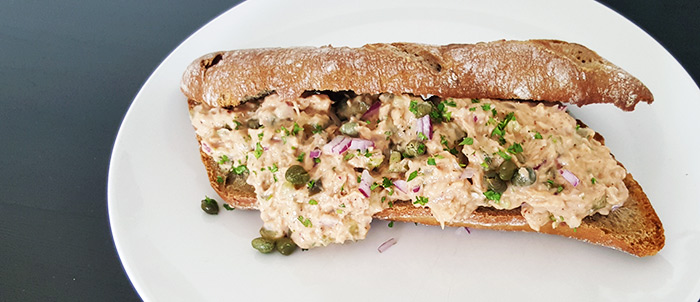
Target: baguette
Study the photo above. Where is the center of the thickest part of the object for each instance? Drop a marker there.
(538, 70)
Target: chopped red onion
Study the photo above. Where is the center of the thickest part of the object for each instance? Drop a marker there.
(570, 177)
(423, 125)
(476, 119)
(372, 111)
(539, 165)
(360, 144)
(206, 148)
(401, 185)
(561, 107)
(338, 145)
(467, 173)
(365, 183)
(315, 153)
(468, 231)
(386, 245)
(416, 189)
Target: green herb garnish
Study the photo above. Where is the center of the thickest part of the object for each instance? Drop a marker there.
(538, 135)
(258, 150)
(313, 202)
(467, 141)
(223, 159)
(593, 180)
(431, 161)
(421, 200)
(300, 158)
(412, 175)
(220, 179)
(515, 148)
(306, 222)
(387, 182)
(228, 207)
(491, 195)
(240, 169)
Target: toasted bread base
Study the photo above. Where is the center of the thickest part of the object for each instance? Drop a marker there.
(633, 228)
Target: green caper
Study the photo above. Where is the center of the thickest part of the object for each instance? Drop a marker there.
(352, 107)
(263, 245)
(521, 158)
(210, 206)
(349, 129)
(253, 123)
(413, 149)
(236, 180)
(506, 170)
(297, 175)
(525, 176)
(422, 109)
(285, 246)
(495, 184)
(270, 234)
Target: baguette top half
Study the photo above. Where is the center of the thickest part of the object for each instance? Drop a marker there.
(540, 70)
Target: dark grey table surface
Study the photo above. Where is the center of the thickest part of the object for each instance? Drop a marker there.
(69, 71)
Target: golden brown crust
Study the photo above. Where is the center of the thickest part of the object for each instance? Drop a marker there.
(543, 70)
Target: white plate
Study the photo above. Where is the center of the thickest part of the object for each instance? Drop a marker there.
(172, 251)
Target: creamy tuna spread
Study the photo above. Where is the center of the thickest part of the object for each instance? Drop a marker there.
(323, 164)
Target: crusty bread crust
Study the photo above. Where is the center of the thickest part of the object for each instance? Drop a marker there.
(542, 70)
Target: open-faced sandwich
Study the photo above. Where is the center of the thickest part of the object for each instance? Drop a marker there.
(323, 140)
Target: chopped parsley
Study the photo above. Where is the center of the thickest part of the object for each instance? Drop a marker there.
(273, 169)
(515, 148)
(220, 179)
(317, 129)
(305, 221)
(503, 155)
(538, 135)
(413, 107)
(348, 156)
(223, 159)
(296, 129)
(359, 179)
(238, 124)
(412, 175)
(486, 107)
(313, 202)
(421, 200)
(258, 150)
(373, 186)
(387, 183)
(450, 103)
(261, 135)
(387, 134)
(317, 160)
(300, 158)
(285, 130)
(472, 109)
(240, 169)
(593, 180)
(447, 148)
(491, 195)
(500, 129)
(391, 224)
(422, 136)
(311, 184)
(475, 101)
(431, 161)
(228, 207)
(467, 141)
(342, 205)
(420, 148)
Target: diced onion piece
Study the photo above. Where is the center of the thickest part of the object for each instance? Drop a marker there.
(467, 173)
(401, 185)
(423, 125)
(416, 189)
(570, 177)
(360, 144)
(365, 183)
(373, 110)
(338, 145)
(386, 245)
(315, 153)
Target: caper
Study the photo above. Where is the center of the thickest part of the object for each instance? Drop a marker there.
(315, 187)
(210, 206)
(285, 246)
(270, 234)
(263, 245)
(414, 148)
(495, 184)
(525, 176)
(422, 109)
(236, 180)
(506, 170)
(253, 123)
(297, 175)
(349, 129)
(355, 106)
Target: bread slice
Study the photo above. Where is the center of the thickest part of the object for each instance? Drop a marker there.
(528, 70)
(543, 70)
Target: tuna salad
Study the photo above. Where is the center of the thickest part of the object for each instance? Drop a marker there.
(322, 165)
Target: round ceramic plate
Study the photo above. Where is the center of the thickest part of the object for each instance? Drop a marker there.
(172, 251)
